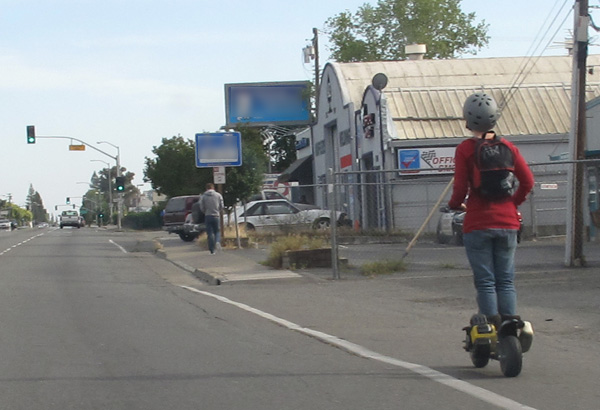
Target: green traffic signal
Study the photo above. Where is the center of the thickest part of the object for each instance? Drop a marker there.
(120, 184)
(31, 134)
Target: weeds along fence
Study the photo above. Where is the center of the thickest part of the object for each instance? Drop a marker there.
(392, 201)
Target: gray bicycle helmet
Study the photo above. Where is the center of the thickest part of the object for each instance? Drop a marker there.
(481, 112)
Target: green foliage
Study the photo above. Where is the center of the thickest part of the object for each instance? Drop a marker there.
(381, 32)
(247, 179)
(173, 171)
(17, 213)
(283, 152)
(36, 205)
(291, 243)
(142, 220)
(383, 267)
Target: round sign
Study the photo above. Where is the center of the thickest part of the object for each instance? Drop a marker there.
(379, 81)
(282, 187)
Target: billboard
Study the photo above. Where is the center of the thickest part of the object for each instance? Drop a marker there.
(261, 104)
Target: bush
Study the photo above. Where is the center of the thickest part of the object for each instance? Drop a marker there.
(141, 220)
(291, 243)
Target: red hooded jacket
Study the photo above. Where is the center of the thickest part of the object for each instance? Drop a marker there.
(482, 213)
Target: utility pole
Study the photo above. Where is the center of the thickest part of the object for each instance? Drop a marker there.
(315, 42)
(574, 243)
(311, 52)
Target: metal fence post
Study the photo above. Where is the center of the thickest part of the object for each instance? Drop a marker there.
(333, 222)
(534, 228)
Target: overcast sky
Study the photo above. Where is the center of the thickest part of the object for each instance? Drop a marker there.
(132, 72)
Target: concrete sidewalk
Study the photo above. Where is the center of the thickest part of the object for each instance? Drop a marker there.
(225, 266)
(425, 259)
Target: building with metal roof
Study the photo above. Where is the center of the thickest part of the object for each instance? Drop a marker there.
(361, 129)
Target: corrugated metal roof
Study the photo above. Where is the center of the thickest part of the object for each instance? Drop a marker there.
(425, 97)
(420, 113)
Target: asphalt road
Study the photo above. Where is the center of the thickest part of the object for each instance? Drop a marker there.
(91, 319)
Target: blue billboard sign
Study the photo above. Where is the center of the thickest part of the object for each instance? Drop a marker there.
(261, 104)
(219, 149)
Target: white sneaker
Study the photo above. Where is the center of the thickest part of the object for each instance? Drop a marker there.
(218, 246)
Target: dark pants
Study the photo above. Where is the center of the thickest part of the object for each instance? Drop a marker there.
(212, 231)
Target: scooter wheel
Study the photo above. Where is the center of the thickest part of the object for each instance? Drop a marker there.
(510, 356)
(480, 357)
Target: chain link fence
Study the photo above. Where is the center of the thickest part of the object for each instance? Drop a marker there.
(394, 202)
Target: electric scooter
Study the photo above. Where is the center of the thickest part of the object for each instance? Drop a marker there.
(505, 341)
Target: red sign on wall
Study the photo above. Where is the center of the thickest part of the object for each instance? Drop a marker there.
(346, 161)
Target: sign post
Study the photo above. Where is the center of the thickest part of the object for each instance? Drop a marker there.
(219, 150)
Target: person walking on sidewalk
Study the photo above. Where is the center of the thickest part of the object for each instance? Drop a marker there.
(491, 222)
(211, 205)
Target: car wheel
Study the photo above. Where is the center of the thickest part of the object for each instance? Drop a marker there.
(458, 237)
(187, 237)
(441, 238)
(247, 227)
(322, 223)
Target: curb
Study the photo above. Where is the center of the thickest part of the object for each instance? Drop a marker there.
(209, 278)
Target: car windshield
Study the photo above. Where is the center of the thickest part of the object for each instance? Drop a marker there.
(175, 204)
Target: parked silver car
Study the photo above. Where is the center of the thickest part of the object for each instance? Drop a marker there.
(280, 214)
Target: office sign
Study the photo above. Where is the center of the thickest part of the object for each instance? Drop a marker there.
(426, 161)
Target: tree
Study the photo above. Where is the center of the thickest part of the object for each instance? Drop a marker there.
(173, 171)
(36, 206)
(381, 32)
(283, 152)
(243, 181)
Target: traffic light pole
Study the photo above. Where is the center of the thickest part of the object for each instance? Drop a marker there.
(31, 137)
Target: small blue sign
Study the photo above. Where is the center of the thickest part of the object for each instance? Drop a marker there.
(409, 159)
(219, 149)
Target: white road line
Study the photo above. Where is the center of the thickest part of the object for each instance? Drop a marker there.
(19, 244)
(447, 380)
(118, 246)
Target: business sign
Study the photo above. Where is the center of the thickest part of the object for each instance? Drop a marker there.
(426, 161)
(219, 149)
(261, 104)
(549, 186)
(219, 175)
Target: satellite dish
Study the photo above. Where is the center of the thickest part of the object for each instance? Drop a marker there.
(379, 81)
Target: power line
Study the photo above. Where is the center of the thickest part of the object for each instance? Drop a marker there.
(525, 67)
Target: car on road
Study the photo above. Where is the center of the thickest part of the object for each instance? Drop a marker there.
(175, 214)
(70, 218)
(6, 225)
(280, 214)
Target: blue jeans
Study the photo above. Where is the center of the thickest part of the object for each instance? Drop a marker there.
(491, 254)
(213, 231)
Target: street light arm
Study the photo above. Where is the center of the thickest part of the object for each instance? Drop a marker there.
(81, 141)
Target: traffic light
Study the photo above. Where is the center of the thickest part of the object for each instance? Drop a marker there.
(68, 200)
(120, 184)
(31, 134)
